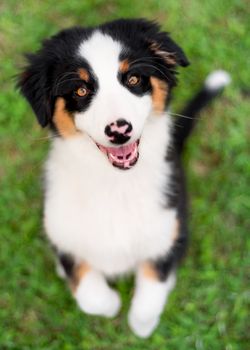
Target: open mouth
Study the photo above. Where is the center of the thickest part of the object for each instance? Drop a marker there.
(123, 157)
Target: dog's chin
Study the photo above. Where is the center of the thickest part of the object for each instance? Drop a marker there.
(123, 157)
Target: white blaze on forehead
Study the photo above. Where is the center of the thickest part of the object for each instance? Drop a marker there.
(113, 100)
(102, 54)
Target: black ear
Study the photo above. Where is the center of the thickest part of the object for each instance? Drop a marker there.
(162, 45)
(34, 85)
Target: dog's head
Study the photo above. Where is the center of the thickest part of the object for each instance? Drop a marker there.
(104, 82)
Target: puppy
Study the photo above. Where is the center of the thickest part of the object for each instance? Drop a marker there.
(115, 198)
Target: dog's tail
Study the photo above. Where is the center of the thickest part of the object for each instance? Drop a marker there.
(186, 121)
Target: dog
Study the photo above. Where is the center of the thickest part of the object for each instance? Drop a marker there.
(115, 196)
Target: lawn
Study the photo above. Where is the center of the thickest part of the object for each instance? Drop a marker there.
(210, 307)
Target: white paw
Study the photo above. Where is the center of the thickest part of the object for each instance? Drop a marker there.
(107, 304)
(148, 303)
(95, 297)
(143, 328)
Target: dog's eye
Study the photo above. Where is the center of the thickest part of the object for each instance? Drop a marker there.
(133, 80)
(82, 91)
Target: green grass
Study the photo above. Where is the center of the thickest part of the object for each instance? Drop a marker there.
(209, 309)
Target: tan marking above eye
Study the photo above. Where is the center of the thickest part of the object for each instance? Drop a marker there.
(84, 75)
(124, 66)
(134, 80)
(82, 91)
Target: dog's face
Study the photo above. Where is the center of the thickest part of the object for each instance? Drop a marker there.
(104, 82)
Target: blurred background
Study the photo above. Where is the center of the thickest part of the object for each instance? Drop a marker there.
(210, 306)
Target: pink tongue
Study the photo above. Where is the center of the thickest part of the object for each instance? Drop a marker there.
(123, 155)
(122, 151)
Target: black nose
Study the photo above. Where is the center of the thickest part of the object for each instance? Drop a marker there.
(119, 131)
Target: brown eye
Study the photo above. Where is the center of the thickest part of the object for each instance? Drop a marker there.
(82, 91)
(134, 80)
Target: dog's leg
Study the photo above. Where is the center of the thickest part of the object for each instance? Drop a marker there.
(89, 288)
(154, 282)
(150, 296)
(92, 292)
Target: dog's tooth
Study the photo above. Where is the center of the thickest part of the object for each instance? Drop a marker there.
(114, 157)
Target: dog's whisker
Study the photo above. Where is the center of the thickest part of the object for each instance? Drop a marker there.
(143, 63)
(150, 58)
(63, 76)
(66, 74)
(156, 68)
(64, 81)
(45, 138)
(181, 115)
(58, 80)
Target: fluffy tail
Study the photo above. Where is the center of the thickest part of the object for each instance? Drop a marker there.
(212, 87)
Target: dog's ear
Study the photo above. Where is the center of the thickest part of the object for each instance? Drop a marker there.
(34, 85)
(161, 45)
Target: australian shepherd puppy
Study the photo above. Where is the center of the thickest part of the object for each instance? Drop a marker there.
(115, 197)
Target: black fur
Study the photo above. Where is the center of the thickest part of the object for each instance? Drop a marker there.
(139, 34)
(68, 264)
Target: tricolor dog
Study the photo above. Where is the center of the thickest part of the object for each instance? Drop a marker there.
(115, 198)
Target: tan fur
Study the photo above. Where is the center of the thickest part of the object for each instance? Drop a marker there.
(84, 75)
(149, 271)
(124, 66)
(78, 273)
(63, 120)
(159, 94)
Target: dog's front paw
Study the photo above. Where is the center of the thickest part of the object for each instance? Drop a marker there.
(95, 297)
(101, 304)
(148, 303)
(142, 326)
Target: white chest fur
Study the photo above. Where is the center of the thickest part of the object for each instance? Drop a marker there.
(111, 218)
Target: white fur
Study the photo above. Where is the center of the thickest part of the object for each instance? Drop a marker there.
(95, 297)
(217, 80)
(148, 303)
(113, 101)
(111, 218)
